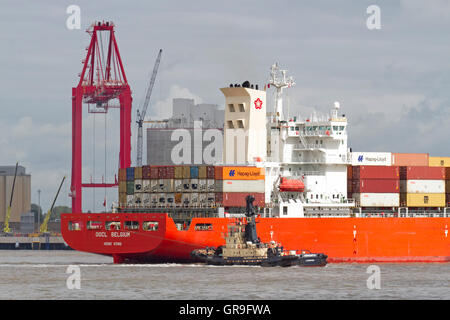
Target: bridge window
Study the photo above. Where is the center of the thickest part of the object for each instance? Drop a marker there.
(231, 107)
(74, 226)
(94, 225)
(112, 225)
(203, 227)
(150, 225)
(131, 225)
(241, 107)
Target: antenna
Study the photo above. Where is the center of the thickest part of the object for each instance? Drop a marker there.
(279, 83)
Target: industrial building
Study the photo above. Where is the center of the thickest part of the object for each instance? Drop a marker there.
(195, 120)
(21, 203)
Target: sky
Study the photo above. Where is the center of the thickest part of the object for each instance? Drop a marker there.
(392, 83)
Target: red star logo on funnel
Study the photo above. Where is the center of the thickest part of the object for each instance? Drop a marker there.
(258, 103)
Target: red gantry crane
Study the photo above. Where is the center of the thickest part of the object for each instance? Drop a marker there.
(101, 81)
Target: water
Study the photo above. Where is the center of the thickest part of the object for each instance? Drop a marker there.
(42, 275)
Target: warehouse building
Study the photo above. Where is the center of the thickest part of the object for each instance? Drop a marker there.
(21, 204)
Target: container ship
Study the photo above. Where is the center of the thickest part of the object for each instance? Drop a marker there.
(311, 191)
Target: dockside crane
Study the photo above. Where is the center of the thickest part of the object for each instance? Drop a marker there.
(43, 228)
(6, 228)
(141, 114)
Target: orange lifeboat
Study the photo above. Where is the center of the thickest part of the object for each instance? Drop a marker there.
(291, 185)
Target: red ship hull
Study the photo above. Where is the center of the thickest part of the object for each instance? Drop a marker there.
(363, 240)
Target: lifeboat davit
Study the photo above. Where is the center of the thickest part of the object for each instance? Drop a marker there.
(291, 185)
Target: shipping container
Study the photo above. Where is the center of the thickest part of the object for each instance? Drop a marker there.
(161, 199)
(130, 200)
(194, 172)
(138, 199)
(194, 199)
(422, 186)
(349, 187)
(375, 186)
(186, 184)
(154, 199)
(146, 172)
(210, 172)
(185, 199)
(154, 185)
(154, 172)
(178, 172)
(122, 187)
(146, 185)
(422, 173)
(122, 199)
(146, 200)
(138, 186)
(379, 200)
(130, 187)
(202, 199)
(130, 174)
(211, 198)
(371, 158)
(122, 174)
(375, 172)
(257, 186)
(239, 173)
(138, 173)
(170, 199)
(238, 199)
(210, 185)
(349, 172)
(447, 173)
(177, 198)
(447, 186)
(447, 200)
(202, 172)
(178, 185)
(202, 186)
(186, 172)
(439, 162)
(410, 159)
(162, 172)
(194, 185)
(424, 199)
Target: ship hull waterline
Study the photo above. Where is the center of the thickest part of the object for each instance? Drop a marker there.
(343, 240)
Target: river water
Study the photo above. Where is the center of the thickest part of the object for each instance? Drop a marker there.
(43, 275)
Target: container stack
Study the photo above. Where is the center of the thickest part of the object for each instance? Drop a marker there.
(410, 159)
(189, 186)
(234, 184)
(375, 186)
(422, 186)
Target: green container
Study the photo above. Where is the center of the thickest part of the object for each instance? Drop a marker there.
(130, 187)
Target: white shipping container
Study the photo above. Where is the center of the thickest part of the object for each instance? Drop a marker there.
(422, 186)
(138, 186)
(210, 198)
(202, 187)
(186, 185)
(256, 186)
(202, 198)
(146, 199)
(146, 185)
(371, 158)
(195, 199)
(210, 185)
(138, 199)
(162, 199)
(178, 185)
(154, 185)
(377, 199)
(168, 185)
(170, 199)
(160, 187)
(153, 199)
(130, 200)
(194, 185)
(186, 199)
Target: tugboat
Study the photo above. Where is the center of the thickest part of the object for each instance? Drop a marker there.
(243, 247)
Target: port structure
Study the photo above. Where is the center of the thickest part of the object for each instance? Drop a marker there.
(101, 80)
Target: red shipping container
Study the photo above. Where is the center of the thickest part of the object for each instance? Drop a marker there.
(170, 172)
(146, 172)
(422, 173)
(447, 173)
(376, 186)
(237, 199)
(210, 172)
(375, 172)
(154, 172)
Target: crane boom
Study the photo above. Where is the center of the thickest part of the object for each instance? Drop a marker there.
(6, 228)
(141, 115)
(43, 228)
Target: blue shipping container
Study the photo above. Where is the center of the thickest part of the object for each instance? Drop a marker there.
(194, 172)
(130, 174)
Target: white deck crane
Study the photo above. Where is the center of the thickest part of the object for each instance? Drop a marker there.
(141, 114)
